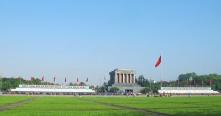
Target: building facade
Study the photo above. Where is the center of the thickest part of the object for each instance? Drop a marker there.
(125, 80)
(122, 77)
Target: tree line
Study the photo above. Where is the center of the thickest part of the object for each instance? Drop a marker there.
(183, 80)
(8, 83)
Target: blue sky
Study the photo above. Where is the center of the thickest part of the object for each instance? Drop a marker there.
(85, 38)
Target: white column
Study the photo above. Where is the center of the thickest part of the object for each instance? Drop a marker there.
(115, 78)
(128, 78)
(125, 78)
(133, 78)
(121, 78)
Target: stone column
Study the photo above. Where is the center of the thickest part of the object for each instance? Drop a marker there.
(128, 76)
(134, 79)
(122, 77)
(125, 78)
(131, 78)
(115, 77)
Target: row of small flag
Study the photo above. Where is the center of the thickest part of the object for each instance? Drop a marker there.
(54, 79)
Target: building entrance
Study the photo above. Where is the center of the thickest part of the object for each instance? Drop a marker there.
(128, 91)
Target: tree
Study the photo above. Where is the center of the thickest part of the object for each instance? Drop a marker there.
(145, 90)
(82, 84)
(187, 76)
(142, 81)
(213, 80)
(100, 89)
(114, 89)
(71, 84)
(8, 83)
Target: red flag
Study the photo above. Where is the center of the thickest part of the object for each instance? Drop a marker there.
(42, 79)
(32, 78)
(158, 62)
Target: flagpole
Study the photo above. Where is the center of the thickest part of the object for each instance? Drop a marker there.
(158, 65)
(150, 86)
(161, 84)
(20, 81)
(65, 81)
(161, 71)
(202, 83)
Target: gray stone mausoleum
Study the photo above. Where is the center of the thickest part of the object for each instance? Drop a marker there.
(124, 79)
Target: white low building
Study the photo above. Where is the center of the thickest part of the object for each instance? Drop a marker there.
(187, 90)
(63, 89)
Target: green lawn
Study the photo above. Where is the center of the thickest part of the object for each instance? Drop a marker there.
(11, 99)
(190, 106)
(111, 106)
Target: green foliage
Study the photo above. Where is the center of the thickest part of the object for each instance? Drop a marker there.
(114, 89)
(142, 81)
(213, 80)
(184, 77)
(145, 90)
(8, 83)
(102, 89)
(82, 84)
(185, 80)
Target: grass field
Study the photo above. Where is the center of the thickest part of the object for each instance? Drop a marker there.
(110, 106)
(11, 99)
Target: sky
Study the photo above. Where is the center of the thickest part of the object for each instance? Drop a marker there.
(89, 38)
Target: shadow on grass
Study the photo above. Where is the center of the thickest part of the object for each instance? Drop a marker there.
(198, 114)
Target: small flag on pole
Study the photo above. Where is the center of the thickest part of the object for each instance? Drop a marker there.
(158, 62)
(54, 79)
(65, 80)
(42, 79)
(87, 80)
(77, 80)
(202, 83)
(178, 83)
(210, 83)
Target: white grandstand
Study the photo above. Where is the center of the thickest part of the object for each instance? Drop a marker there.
(187, 90)
(62, 89)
